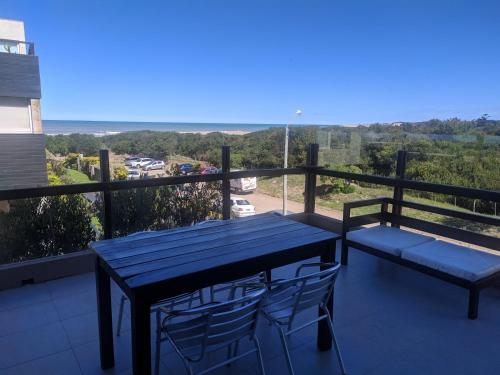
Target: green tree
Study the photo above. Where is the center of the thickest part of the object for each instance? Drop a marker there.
(336, 185)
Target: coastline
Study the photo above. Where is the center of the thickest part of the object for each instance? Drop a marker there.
(205, 132)
(105, 128)
(107, 133)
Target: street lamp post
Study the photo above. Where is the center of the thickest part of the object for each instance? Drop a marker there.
(298, 112)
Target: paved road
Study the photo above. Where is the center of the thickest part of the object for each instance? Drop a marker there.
(265, 203)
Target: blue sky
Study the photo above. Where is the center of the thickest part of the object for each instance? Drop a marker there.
(341, 62)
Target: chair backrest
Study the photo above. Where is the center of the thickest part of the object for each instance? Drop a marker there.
(215, 325)
(303, 292)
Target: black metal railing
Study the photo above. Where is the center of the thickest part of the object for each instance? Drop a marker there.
(311, 170)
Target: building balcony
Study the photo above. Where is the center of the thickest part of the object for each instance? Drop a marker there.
(388, 319)
(19, 70)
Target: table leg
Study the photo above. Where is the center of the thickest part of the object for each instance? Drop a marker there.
(324, 341)
(105, 320)
(141, 336)
(269, 276)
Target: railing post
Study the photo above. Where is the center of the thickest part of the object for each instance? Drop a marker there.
(226, 183)
(310, 185)
(105, 177)
(398, 191)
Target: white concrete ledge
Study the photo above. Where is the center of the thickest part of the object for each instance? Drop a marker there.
(14, 275)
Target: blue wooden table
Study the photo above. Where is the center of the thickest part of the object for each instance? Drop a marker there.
(152, 266)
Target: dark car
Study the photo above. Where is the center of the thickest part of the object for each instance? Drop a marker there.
(186, 168)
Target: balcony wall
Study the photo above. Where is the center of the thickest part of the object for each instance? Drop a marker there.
(25, 165)
(19, 76)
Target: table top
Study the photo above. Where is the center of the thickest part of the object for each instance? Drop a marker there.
(146, 258)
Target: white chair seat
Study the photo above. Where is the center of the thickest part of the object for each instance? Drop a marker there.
(456, 260)
(388, 239)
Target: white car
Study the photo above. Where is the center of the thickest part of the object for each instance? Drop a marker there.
(129, 161)
(133, 174)
(141, 162)
(241, 207)
(156, 164)
(145, 161)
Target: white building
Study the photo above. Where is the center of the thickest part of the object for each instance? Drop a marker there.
(22, 142)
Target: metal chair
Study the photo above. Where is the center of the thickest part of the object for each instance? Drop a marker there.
(195, 332)
(246, 285)
(287, 298)
(186, 298)
(169, 303)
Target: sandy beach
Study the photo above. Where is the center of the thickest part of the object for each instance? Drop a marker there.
(205, 132)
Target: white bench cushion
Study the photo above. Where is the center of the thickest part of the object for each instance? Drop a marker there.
(388, 239)
(456, 260)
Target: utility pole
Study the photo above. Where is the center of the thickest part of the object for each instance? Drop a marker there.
(298, 112)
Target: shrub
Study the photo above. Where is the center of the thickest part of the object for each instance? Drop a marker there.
(39, 227)
(339, 185)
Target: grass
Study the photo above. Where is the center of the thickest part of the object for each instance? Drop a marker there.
(76, 177)
(274, 187)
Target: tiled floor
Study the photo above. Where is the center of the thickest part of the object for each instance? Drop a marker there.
(389, 320)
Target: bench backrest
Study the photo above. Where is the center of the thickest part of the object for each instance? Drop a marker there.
(385, 216)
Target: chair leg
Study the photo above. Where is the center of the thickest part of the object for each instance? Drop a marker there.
(120, 316)
(158, 342)
(335, 344)
(285, 349)
(344, 257)
(236, 348)
(259, 355)
(473, 302)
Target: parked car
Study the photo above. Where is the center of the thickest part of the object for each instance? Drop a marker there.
(186, 168)
(141, 162)
(241, 207)
(155, 164)
(244, 184)
(136, 161)
(129, 161)
(209, 170)
(145, 161)
(133, 174)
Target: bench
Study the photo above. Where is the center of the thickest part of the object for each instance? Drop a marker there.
(464, 266)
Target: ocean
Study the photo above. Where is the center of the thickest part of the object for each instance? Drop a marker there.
(101, 128)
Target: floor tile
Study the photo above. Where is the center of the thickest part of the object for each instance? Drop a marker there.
(23, 296)
(33, 344)
(27, 317)
(63, 363)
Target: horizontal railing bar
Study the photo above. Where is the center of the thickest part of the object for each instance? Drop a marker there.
(47, 191)
(451, 232)
(16, 41)
(162, 181)
(365, 202)
(489, 220)
(272, 172)
(488, 195)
